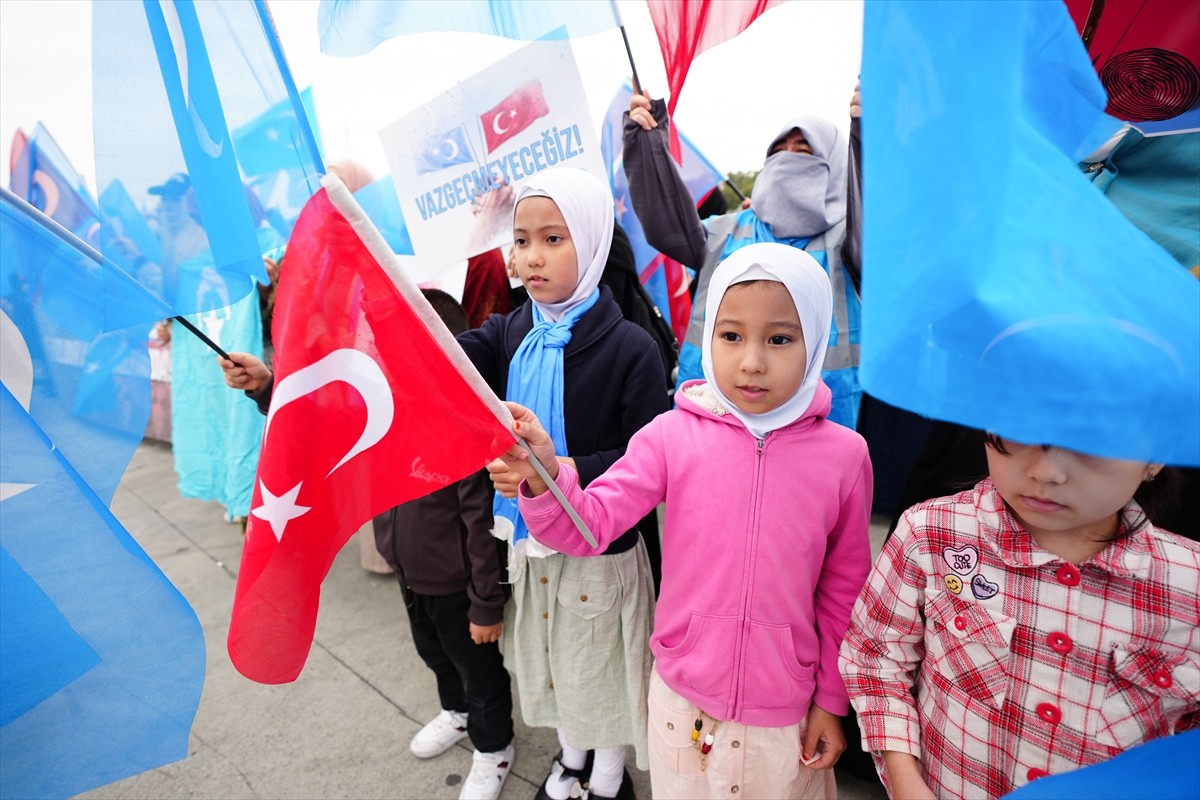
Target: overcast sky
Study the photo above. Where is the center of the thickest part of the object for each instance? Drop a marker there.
(801, 57)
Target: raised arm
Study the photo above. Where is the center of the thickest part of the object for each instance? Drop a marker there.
(661, 201)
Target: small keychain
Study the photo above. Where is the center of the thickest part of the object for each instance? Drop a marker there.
(706, 745)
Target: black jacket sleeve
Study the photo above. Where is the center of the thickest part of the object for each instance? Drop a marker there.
(485, 589)
(660, 198)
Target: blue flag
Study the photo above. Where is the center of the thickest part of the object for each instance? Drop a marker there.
(1001, 290)
(186, 96)
(379, 202)
(445, 151)
(355, 27)
(101, 659)
(698, 173)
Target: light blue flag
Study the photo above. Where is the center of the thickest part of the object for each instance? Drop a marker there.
(354, 27)
(101, 659)
(379, 201)
(1001, 290)
(445, 151)
(173, 83)
(46, 179)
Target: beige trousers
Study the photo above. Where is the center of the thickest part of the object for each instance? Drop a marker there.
(746, 763)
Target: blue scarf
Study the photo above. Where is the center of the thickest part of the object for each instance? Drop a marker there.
(535, 380)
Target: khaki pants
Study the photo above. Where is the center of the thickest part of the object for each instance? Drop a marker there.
(745, 763)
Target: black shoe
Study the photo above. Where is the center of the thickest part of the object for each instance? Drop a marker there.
(623, 793)
(580, 775)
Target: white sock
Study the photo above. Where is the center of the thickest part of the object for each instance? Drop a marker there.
(607, 769)
(558, 786)
(571, 758)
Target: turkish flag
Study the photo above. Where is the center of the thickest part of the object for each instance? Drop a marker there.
(686, 28)
(374, 404)
(513, 114)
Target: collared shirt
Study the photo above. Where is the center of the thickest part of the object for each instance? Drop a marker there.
(996, 662)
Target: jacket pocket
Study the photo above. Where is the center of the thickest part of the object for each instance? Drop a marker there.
(703, 660)
(1148, 692)
(775, 676)
(967, 647)
(587, 598)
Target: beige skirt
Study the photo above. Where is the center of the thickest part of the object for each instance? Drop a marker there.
(576, 639)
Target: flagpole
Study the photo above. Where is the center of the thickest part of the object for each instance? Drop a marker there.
(637, 84)
(348, 207)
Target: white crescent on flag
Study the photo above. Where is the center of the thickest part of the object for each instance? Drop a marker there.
(496, 122)
(349, 366)
(175, 30)
(16, 373)
(49, 189)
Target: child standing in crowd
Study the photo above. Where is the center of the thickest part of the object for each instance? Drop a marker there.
(576, 630)
(1032, 625)
(765, 541)
(450, 570)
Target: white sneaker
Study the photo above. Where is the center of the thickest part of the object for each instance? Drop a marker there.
(488, 771)
(443, 732)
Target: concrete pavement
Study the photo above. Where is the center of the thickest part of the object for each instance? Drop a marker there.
(342, 729)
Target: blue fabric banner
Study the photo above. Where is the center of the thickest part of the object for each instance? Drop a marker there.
(1001, 290)
(197, 118)
(354, 27)
(101, 659)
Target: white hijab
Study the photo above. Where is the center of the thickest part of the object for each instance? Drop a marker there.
(809, 287)
(587, 207)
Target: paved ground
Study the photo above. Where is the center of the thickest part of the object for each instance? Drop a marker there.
(342, 729)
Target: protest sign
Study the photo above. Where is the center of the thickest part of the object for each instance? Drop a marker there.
(459, 160)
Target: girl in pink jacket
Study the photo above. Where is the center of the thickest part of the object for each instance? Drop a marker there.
(765, 544)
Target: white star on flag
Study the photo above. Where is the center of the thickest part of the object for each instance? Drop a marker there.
(278, 510)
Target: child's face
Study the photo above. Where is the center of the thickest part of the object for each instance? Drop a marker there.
(1056, 491)
(758, 352)
(544, 251)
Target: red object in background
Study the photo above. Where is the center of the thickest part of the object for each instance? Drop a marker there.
(1147, 54)
(368, 411)
(486, 289)
(513, 114)
(686, 28)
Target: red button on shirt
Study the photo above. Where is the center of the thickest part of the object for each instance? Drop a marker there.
(1049, 712)
(1060, 642)
(1163, 678)
(960, 623)
(1036, 773)
(1067, 575)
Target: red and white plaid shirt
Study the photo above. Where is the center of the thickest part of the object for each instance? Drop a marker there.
(995, 662)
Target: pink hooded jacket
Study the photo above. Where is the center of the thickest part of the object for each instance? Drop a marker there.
(765, 549)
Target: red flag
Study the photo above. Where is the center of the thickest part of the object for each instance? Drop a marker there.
(686, 28)
(680, 297)
(374, 404)
(513, 114)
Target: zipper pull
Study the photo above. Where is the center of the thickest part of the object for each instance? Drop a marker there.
(760, 446)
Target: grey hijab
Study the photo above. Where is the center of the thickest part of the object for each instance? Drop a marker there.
(800, 195)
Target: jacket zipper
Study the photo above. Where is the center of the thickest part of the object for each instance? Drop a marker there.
(751, 544)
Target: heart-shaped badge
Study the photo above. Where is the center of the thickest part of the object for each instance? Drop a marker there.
(963, 560)
(982, 588)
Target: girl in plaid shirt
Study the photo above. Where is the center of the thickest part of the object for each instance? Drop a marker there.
(1032, 625)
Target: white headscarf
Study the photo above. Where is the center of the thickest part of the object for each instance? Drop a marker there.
(587, 207)
(809, 287)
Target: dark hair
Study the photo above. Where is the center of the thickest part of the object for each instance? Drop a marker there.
(449, 309)
(1158, 498)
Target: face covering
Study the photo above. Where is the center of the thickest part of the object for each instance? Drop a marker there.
(812, 295)
(801, 195)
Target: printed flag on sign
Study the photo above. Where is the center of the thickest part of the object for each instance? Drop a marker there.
(513, 114)
(374, 404)
(1044, 315)
(353, 27)
(445, 151)
(686, 28)
(101, 659)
